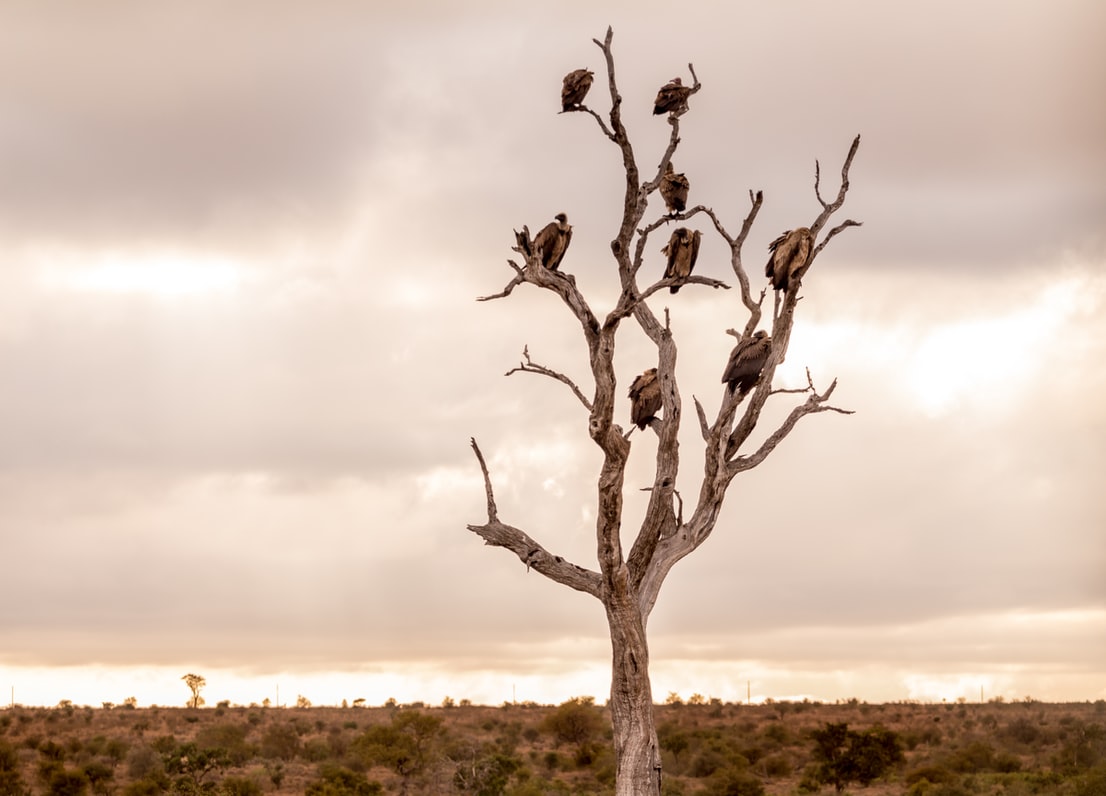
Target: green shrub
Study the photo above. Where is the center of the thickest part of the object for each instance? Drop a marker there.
(337, 781)
(734, 781)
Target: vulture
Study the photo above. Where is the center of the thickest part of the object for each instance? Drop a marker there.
(788, 261)
(645, 398)
(551, 242)
(747, 361)
(674, 189)
(672, 98)
(575, 88)
(682, 250)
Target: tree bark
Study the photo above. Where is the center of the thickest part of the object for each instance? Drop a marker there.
(637, 752)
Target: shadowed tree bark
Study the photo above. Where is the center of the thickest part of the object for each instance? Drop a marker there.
(627, 583)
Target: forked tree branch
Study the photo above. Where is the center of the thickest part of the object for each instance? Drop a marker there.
(528, 366)
(814, 404)
(532, 554)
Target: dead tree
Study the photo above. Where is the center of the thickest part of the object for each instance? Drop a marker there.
(627, 584)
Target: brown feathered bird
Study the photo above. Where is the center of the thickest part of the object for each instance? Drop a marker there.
(682, 250)
(790, 253)
(747, 361)
(645, 398)
(575, 88)
(674, 188)
(551, 241)
(672, 98)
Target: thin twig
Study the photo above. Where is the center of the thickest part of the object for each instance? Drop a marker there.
(528, 366)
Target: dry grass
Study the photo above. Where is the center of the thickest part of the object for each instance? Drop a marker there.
(1025, 747)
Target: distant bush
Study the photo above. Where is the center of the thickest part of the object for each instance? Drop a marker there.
(577, 721)
(843, 755)
(926, 788)
(776, 766)
(1093, 783)
(142, 761)
(67, 782)
(734, 782)
(316, 750)
(1021, 730)
(337, 781)
(240, 786)
(11, 781)
(975, 757)
(280, 741)
(931, 774)
(231, 738)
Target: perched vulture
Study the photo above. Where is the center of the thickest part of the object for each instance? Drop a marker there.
(645, 398)
(747, 361)
(788, 261)
(575, 88)
(552, 241)
(674, 189)
(682, 250)
(672, 98)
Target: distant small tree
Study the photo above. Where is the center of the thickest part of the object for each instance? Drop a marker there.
(302, 701)
(578, 722)
(194, 682)
(405, 745)
(845, 756)
(191, 765)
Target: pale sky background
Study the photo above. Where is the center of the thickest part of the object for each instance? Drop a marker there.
(241, 359)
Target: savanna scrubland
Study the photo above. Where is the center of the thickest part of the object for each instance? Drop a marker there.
(708, 747)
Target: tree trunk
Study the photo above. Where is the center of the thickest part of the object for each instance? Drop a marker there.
(636, 749)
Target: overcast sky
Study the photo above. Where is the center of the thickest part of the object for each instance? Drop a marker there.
(241, 358)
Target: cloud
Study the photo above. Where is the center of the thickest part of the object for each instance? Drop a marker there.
(243, 358)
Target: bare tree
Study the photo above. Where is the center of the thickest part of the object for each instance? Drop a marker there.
(194, 682)
(627, 585)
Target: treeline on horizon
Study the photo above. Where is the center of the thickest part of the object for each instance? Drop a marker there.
(526, 749)
(673, 698)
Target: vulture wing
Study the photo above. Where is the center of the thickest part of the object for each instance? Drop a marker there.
(575, 88)
(788, 260)
(672, 98)
(543, 241)
(683, 251)
(645, 398)
(746, 362)
(674, 188)
(560, 245)
(671, 249)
